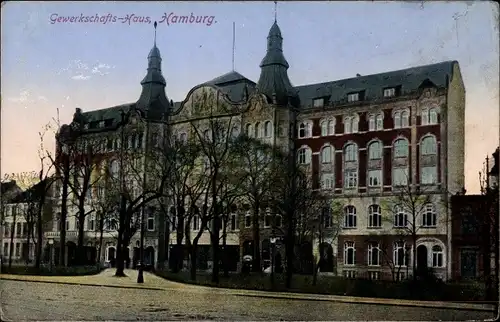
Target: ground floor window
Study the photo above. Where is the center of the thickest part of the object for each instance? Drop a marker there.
(468, 263)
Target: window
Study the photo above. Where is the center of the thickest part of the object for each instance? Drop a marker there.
(350, 153)
(397, 120)
(469, 223)
(140, 137)
(425, 117)
(327, 181)
(319, 102)
(324, 127)
(18, 229)
(304, 156)
(375, 150)
(350, 217)
(374, 216)
(371, 123)
(380, 122)
(248, 221)
(437, 256)
(400, 218)
(257, 131)
(305, 130)
(268, 129)
(400, 256)
(389, 92)
(399, 177)
(428, 145)
(248, 130)
(282, 132)
(91, 223)
(374, 178)
(268, 219)
(278, 220)
(433, 117)
(428, 175)
(196, 223)
(151, 220)
(67, 225)
(350, 178)
(405, 119)
(18, 246)
(5, 249)
(326, 217)
(349, 253)
(347, 125)
(353, 97)
(354, 124)
(373, 254)
(113, 169)
(401, 148)
(429, 216)
(331, 127)
(183, 137)
(326, 154)
(234, 222)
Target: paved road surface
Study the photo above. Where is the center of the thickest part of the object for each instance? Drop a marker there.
(23, 301)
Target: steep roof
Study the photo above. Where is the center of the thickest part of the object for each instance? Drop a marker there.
(233, 85)
(409, 80)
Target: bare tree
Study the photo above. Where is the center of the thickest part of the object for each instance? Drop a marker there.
(216, 135)
(409, 209)
(86, 170)
(256, 168)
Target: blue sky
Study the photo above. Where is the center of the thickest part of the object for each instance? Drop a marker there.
(61, 66)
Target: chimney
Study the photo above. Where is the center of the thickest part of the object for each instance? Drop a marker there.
(358, 75)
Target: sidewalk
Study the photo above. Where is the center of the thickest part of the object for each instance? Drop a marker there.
(153, 282)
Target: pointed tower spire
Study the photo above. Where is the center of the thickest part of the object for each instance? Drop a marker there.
(273, 78)
(153, 85)
(275, 11)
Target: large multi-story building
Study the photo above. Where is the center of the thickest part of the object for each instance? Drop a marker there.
(364, 140)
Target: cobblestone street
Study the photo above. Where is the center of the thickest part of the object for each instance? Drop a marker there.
(43, 301)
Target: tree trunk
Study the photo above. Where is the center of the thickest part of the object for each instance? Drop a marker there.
(80, 256)
(256, 239)
(12, 232)
(39, 235)
(120, 267)
(28, 246)
(194, 252)
(224, 253)
(178, 259)
(64, 213)
(414, 255)
(161, 241)
(290, 254)
(101, 237)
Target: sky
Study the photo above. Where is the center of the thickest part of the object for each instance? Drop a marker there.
(49, 66)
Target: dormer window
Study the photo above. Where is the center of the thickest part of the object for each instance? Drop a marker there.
(101, 124)
(389, 92)
(319, 102)
(353, 97)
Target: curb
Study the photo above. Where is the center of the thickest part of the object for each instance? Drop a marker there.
(85, 284)
(291, 296)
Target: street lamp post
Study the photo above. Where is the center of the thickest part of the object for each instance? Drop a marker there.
(273, 250)
(51, 252)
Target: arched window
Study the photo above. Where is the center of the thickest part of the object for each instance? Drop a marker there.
(371, 123)
(234, 222)
(302, 130)
(373, 254)
(114, 169)
(437, 256)
(351, 153)
(400, 256)
(268, 130)
(331, 127)
(347, 125)
(248, 220)
(400, 217)
(257, 130)
(326, 154)
(424, 117)
(405, 119)
(196, 223)
(183, 137)
(304, 156)
(324, 127)
(207, 135)
(433, 117)
(375, 150)
(235, 131)
(350, 217)
(428, 171)
(355, 123)
(349, 253)
(374, 216)
(429, 217)
(428, 145)
(397, 120)
(380, 122)
(401, 148)
(248, 130)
